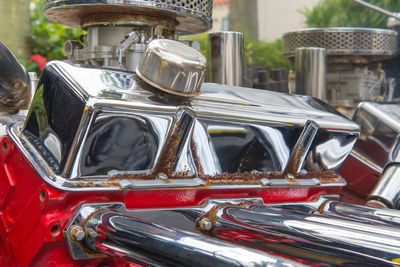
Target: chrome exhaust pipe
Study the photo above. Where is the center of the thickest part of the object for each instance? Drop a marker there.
(313, 237)
(133, 239)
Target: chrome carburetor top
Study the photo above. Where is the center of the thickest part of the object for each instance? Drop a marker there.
(118, 31)
(189, 16)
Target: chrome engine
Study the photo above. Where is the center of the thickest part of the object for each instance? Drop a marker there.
(128, 157)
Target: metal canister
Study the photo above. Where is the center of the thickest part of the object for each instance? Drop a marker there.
(225, 58)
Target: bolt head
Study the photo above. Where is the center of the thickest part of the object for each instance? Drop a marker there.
(162, 177)
(92, 233)
(77, 233)
(205, 224)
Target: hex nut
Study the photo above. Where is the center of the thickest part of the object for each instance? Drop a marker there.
(77, 233)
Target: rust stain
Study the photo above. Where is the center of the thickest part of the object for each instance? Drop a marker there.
(195, 157)
(239, 177)
(211, 215)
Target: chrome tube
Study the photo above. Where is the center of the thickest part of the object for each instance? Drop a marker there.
(311, 237)
(378, 9)
(225, 58)
(133, 239)
(387, 190)
(310, 68)
(360, 213)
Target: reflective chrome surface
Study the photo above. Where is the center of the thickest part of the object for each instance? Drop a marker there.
(313, 237)
(191, 16)
(85, 122)
(310, 68)
(378, 145)
(387, 190)
(301, 148)
(15, 84)
(173, 67)
(369, 43)
(130, 238)
(225, 58)
(345, 234)
(380, 127)
(360, 213)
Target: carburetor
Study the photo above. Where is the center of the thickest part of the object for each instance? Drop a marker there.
(118, 32)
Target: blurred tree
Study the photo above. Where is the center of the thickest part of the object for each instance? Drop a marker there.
(345, 13)
(47, 38)
(243, 18)
(14, 18)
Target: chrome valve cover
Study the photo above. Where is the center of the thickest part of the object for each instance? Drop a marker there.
(109, 125)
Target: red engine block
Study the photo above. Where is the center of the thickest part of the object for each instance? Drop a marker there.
(33, 214)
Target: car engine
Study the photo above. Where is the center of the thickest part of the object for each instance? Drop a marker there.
(126, 156)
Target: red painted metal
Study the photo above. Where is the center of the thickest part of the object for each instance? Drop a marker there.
(33, 214)
(360, 178)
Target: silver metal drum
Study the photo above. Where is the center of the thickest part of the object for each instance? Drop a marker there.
(225, 58)
(371, 43)
(190, 16)
(310, 68)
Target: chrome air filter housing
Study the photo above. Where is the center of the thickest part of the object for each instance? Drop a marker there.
(368, 44)
(190, 16)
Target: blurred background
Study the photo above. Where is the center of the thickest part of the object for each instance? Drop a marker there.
(34, 40)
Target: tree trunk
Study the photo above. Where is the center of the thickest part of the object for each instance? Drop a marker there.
(15, 29)
(243, 18)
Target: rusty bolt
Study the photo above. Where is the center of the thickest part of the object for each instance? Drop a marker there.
(205, 224)
(162, 177)
(77, 233)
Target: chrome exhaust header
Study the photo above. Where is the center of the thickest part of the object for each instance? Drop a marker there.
(111, 232)
(325, 231)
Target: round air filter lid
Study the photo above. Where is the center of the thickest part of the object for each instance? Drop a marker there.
(191, 16)
(373, 43)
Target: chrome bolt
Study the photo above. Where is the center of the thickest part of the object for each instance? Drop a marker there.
(77, 233)
(162, 177)
(92, 233)
(205, 224)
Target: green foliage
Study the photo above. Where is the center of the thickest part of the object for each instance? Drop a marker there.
(257, 53)
(345, 13)
(265, 54)
(47, 38)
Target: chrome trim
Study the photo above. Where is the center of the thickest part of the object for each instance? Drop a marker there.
(125, 184)
(102, 183)
(288, 182)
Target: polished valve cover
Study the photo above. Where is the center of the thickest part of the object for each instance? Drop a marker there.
(87, 123)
